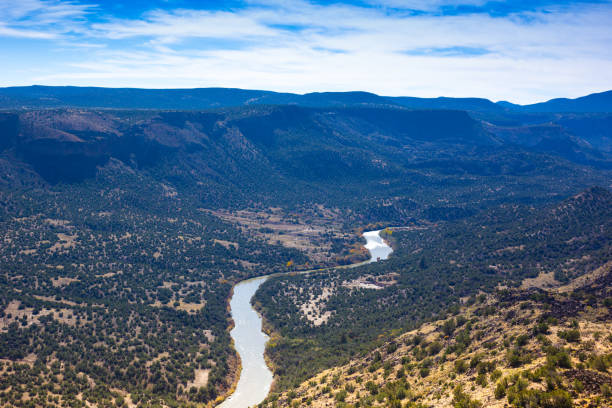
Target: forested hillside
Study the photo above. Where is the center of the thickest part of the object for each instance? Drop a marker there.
(116, 290)
(387, 165)
(434, 267)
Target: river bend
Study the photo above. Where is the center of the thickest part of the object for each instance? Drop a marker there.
(250, 342)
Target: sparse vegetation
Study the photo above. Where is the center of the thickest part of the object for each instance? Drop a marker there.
(481, 375)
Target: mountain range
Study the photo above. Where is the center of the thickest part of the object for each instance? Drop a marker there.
(299, 150)
(207, 98)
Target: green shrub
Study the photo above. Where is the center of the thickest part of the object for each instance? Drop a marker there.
(522, 340)
(500, 390)
(400, 373)
(558, 358)
(517, 358)
(460, 366)
(571, 336)
(481, 380)
(371, 387)
(449, 326)
(475, 360)
(341, 396)
(578, 386)
(417, 339)
(541, 328)
(600, 363)
(521, 397)
(556, 399)
(434, 348)
(462, 400)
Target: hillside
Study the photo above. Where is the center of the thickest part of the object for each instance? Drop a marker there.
(523, 348)
(573, 121)
(240, 156)
(115, 290)
(467, 104)
(433, 267)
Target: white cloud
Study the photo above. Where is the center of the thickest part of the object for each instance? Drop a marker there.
(425, 5)
(22, 33)
(185, 23)
(40, 19)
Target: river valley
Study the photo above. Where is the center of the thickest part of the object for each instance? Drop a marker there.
(250, 342)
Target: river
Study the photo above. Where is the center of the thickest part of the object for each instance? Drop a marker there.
(250, 342)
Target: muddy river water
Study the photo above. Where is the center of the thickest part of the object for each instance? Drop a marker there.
(250, 342)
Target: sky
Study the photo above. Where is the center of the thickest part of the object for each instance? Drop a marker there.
(521, 51)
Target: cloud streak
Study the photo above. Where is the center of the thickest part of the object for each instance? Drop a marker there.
(41, 19)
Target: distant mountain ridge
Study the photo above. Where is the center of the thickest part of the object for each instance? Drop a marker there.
(469, 104)
(597, 102)
(209, 98)
(173, 99)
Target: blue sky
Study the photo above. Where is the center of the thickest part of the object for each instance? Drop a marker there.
(522, 51)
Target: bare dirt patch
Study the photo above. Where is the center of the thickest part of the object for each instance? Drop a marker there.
(190, 307)
(159, 357)
(313, 309)
(209, 336)
(65, 241)
(200, 380)
(542, 281)
(226, 244)
(57, 223)
(372, 282)
(511, 249)
(59, 282)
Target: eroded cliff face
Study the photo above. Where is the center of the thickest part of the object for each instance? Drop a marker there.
(69, 145)
(303, 143)
(8, 130)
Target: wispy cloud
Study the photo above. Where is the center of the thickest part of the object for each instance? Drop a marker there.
(24, 33)
(456, 51)
(175, 25)
(41, 19)
(425, 5)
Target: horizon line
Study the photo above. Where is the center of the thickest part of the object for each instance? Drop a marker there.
(300, 94)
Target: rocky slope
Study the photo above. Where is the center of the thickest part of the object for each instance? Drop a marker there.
(520, 348)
